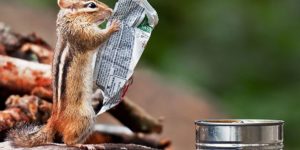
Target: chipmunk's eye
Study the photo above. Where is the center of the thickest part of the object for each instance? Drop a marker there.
(91, 5)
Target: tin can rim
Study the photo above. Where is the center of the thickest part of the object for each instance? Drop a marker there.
(238, 122)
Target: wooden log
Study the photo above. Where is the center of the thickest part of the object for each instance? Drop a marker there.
(36, 109)
(7, 146)
(23, 109)
(29, 47)
(44, 55)
(20, 76)
(136, 118)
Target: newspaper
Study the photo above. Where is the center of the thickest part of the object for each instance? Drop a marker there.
(119, 55)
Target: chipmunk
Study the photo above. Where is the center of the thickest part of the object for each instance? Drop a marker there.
(72, 115)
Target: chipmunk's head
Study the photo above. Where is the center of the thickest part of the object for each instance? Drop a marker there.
(84, 11)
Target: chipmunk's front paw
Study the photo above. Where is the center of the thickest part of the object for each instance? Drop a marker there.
(115, 25)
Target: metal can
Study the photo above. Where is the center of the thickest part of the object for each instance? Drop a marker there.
(245, 134)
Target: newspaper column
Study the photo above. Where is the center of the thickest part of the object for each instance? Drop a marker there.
(120, 54)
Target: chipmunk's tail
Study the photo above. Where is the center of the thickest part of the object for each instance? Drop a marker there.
(30, 135)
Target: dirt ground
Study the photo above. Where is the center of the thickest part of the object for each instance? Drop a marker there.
(158, 95)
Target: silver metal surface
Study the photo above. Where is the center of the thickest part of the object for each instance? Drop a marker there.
(239, 134)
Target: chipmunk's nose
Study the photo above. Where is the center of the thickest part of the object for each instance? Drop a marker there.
(110, 11)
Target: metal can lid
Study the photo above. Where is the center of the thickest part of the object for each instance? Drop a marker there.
(238, 122)
(237, 133)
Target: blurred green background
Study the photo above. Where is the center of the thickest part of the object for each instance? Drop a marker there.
(244, 53)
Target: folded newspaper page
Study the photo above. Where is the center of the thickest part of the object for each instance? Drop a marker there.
(118, 57)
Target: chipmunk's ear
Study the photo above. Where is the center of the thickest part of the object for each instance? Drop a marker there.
(65, 3)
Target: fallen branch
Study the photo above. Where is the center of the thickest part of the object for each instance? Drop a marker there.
(44, 55)
(36, 109)
(23, 109)
(119, 134)
(29, 47)
(136, 118)
(10, 117)
(20, 76)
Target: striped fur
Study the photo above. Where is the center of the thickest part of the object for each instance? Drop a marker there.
(79, 37)
(72, 113)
